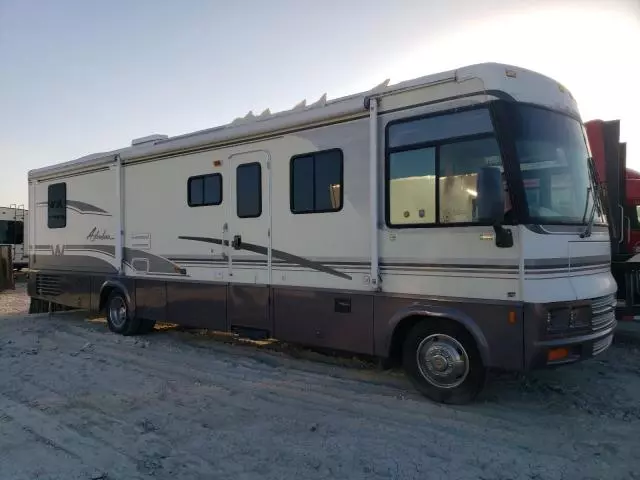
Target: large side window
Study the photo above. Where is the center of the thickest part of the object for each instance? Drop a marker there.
(204, 190)
(249, 190)
(57, 205)
(317, 182)
(433, 165)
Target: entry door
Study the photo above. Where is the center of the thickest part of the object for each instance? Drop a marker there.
(249, 218)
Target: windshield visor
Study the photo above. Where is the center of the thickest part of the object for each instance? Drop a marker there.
(554, 163)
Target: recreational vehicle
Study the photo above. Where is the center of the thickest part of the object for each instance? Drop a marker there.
(13, 232)
(394, 223)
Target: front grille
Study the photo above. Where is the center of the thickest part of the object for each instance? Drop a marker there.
(603, 311)
(601, 345)
(48, 285)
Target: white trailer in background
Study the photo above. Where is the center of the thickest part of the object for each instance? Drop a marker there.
(394, 223)
(13, 231)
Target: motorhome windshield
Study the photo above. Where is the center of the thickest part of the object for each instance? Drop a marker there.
(554, 162)
(11, 232)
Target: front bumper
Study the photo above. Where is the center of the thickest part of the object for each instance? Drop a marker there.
(544, 348)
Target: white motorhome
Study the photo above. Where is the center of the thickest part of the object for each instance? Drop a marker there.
(393, 223)
(13, 231)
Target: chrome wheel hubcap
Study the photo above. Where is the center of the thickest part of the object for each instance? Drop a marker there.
(442, 361)
(117, 312)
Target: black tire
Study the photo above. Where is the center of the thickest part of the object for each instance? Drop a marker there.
(120, 321)
(463, 384)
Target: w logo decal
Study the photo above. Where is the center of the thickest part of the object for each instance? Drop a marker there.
(57, 249)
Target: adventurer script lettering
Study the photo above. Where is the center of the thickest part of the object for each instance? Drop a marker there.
(96, 234)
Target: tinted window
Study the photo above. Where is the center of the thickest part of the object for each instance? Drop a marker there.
(412, 182)
(6, 236)
(19, 232)
(249, 190)
(57, 205)
(196, 191)
(205, 190)
(317, 182)
(458, 175)
(11, 232)
(430, 129)
(302, 200)
(213, 189)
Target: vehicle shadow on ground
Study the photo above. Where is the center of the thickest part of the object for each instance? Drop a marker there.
(592, 387)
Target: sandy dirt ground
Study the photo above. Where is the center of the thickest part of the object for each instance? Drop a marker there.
(77, 402)
(14, 301)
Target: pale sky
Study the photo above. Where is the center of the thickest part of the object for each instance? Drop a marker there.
(80, 77)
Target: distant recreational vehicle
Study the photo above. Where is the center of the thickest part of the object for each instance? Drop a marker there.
(393, 223)
(13, 232)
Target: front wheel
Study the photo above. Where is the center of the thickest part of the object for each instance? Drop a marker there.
(119, 317)
(443, 362)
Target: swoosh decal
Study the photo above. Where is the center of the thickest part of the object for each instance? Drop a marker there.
(81, 207)
(278, 254)
(157, 264)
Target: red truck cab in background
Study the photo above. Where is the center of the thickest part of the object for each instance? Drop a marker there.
(620, 193)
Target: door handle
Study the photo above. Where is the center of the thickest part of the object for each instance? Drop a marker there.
(237, 241)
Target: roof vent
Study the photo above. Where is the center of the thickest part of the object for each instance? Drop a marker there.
(148, 139)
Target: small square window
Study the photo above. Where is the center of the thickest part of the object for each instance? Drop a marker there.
(204, 190)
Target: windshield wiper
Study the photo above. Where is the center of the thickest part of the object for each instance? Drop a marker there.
(596, 200)
(592, 216)
(586, 205)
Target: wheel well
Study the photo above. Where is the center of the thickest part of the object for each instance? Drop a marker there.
(406, 324)
(104, 295)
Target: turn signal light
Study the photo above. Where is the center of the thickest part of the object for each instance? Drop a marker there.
(556, 354)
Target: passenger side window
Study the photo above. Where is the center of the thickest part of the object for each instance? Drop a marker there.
(433, 166)
(412, 187)
(249, 190)
(317, 182)
(57, 205)
(204, 190)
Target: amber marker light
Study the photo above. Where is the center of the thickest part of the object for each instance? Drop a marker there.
(556, 354)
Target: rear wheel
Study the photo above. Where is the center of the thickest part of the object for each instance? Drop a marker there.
(119, 317)
(443, 362)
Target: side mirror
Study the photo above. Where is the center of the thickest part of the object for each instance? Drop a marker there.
(490, 199)
(490, 204)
